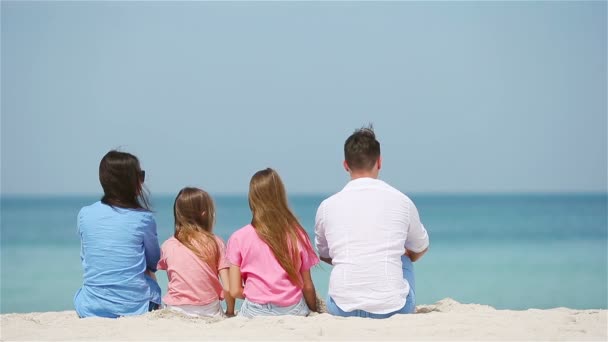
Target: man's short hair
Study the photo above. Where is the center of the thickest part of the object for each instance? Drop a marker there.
(361, 149)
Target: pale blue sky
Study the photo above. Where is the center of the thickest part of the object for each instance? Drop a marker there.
(465, 96)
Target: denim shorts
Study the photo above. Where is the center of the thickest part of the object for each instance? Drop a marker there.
(213, 309)
(251, 309)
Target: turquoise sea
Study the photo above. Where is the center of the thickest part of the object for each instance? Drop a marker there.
(507, 251)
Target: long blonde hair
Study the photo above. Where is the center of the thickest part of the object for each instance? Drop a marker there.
(276, 224)
(194, 213)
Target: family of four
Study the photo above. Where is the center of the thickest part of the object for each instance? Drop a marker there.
(369, 231)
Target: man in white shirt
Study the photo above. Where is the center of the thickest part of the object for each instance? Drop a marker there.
(371, 233)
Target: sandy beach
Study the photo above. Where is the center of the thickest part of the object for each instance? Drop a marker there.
(444, 320)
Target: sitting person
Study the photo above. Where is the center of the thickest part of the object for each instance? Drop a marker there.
(194, 258)
(371, 233)
(272, 255)
(119, 246)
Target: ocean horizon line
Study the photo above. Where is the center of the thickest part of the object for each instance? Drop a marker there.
(10, 196)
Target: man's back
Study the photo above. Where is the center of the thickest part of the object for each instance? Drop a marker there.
(365, 229)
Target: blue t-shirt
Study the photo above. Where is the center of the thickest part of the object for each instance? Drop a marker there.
(117, 246)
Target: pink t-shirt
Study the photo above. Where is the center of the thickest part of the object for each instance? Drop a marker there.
(191, 280)
(265, 280)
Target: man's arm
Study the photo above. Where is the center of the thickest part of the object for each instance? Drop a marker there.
(328, 260)
(414, 256)
(320, 240)
(417, 243)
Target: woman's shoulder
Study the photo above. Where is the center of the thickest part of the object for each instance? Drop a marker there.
(146, 214)
(94, 209)
(142, 215)
(100, 207)
(107, 213)
(93, 206)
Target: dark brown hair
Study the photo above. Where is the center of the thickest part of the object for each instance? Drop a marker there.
(361, 149)
(122, 180)
(276, 224)
(194, 213)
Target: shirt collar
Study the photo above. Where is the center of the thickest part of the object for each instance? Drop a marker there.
(362, 182)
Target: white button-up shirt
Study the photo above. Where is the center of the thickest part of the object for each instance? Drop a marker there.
(364, 229)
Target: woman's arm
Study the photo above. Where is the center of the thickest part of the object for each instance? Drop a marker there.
(308, 290)
(320, 239)
(230, 301)
(151, 275)
(235, 282)
(151, 247)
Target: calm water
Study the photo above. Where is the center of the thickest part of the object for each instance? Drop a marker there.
(516, 252)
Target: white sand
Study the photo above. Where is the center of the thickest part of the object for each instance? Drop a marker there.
(445, 320)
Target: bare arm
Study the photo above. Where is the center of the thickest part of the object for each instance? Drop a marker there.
(235, 282)
(308, 290)
(151, 274)
(415, 256)
(327, 260)
(230, 301)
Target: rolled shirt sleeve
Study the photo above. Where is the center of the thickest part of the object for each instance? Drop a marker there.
(320, 239)
(417, 236)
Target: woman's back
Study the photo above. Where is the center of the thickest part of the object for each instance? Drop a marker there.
(117, 247)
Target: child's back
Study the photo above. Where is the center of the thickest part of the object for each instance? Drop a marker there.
(272, 255)
(265, 280)
(194, 258)
(192, 282)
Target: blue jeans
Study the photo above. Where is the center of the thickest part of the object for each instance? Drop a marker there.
(410, 302)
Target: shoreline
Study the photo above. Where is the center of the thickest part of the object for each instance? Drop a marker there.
(444, 320)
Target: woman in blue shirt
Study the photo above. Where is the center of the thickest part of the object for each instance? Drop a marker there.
(119, 246)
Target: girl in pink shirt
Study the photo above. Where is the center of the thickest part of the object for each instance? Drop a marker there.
(194, 257)
(272, 256)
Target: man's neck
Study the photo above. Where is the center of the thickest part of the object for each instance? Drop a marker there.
(357, 175)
